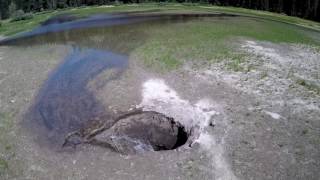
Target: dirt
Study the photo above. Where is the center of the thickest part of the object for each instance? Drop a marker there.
(260, 123)
(275, 136)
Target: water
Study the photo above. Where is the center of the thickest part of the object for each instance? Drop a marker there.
(99, 24)
(64, 104)
(99, 43)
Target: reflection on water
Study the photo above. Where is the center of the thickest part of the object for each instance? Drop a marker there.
(112, 29)
(105, 20)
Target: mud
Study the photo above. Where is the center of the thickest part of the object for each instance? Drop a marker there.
(260, 123)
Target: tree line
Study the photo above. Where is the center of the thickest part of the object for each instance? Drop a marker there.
(309, 9)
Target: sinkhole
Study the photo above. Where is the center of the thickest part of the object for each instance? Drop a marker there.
(144, 131)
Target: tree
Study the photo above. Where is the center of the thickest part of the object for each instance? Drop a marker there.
(4, 9)
(12, 8)
(304, 8)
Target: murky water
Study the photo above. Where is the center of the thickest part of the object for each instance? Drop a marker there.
(64, 104)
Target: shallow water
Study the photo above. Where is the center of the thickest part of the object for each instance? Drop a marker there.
(61, 32)
(64, 104)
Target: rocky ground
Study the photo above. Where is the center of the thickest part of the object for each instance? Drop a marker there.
(261, 122)
(275, 132)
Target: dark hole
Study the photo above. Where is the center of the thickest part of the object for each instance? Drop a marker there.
(182, 137)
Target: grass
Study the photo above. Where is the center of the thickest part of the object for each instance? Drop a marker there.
(11, 28)
(267, 15)
(5, 127)
(236, 61)
(6, 124)
(3, 166)
(170, 45)
(212, 41)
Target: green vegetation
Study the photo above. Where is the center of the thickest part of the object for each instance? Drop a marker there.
(309, 85)
(307, 9)
(3, 166)
(10, 27)
(5, 126)
(267, 15)
(20, 16)
(212, 40)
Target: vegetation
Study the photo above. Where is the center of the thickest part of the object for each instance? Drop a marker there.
(3, 166)
(212, 41)
(5, 126)
(309, 85)
(170, 45)
(20, 15)
(306, 9)
(27, 22)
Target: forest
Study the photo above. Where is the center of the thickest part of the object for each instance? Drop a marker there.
(309, 9)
